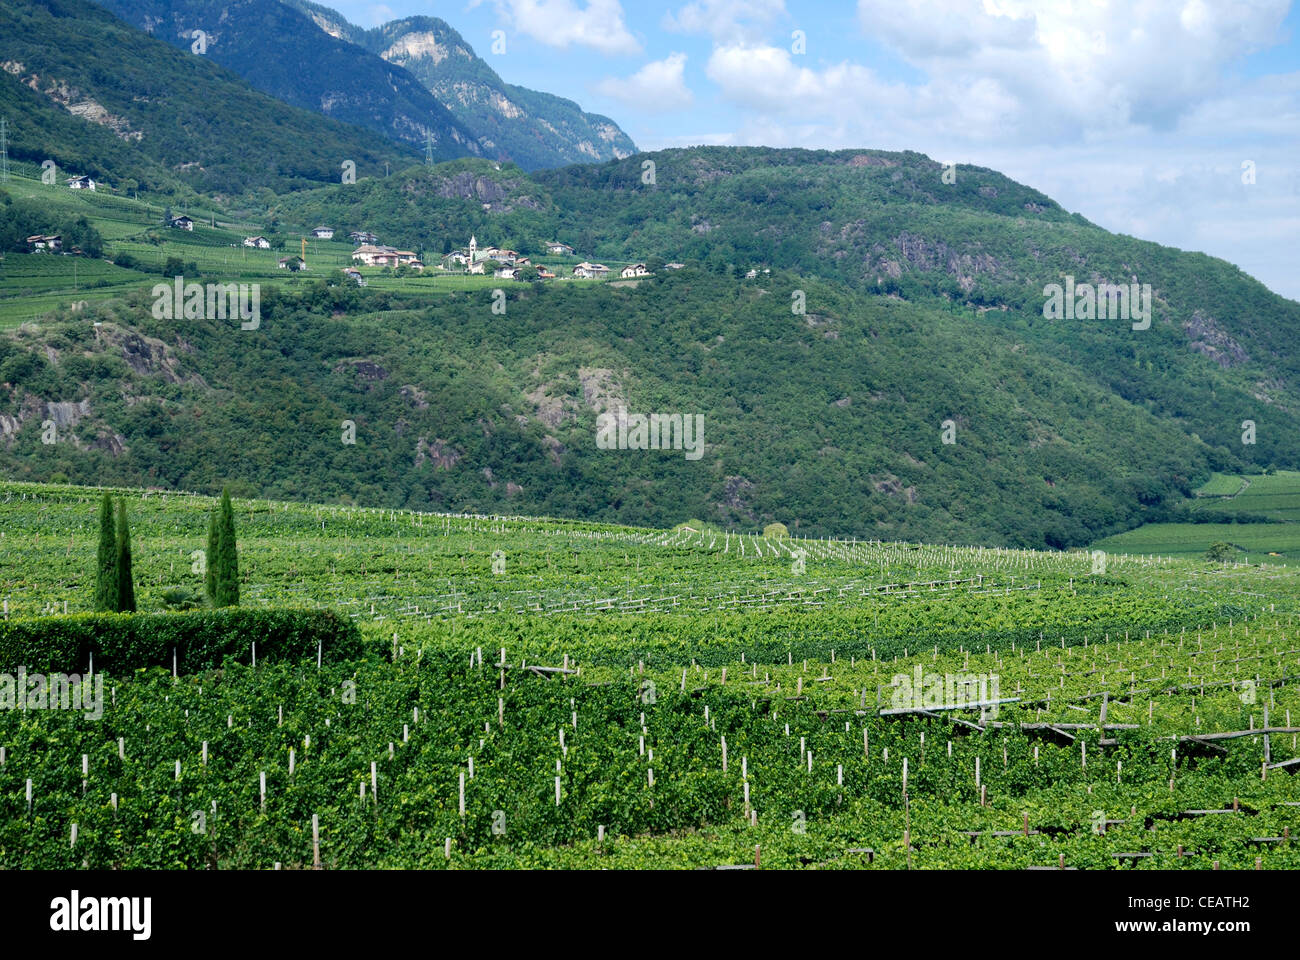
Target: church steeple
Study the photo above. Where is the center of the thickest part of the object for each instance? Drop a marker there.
(473, 248)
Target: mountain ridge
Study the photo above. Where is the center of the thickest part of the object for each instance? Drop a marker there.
(281, 52)
(310, 56)
(499, 112)
(109, 101)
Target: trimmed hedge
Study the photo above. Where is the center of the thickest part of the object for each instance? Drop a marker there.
(202, 639)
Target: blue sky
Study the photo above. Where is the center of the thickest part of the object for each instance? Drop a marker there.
(1137, 115)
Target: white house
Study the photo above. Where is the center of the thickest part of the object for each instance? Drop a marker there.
(181, 223)
(674, 266)
(361, 236)
(505, 273)
(292, 263)
(42, 243)
(590, 270)
(323, 233)
(555, 247)
(81, 183)
(635, 270)
(261, 243)
(379, 256)
(499, 254)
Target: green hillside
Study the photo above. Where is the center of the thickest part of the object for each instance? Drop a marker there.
(1217, 352)
(107, 100)
(941, 414)
(457, 406)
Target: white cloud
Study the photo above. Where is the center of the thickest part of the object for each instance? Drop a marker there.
(564, 23)
(658, 86)
(1093, 64)
(1161, 165)
(853, 99)
(730, 21)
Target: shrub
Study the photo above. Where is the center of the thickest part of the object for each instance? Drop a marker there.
(201, 639)
(1221, 552)
(181, 598)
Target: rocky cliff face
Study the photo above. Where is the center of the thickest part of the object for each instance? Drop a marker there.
(526, 127)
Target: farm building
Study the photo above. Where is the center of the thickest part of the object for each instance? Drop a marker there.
(41, 243)
(379, 256)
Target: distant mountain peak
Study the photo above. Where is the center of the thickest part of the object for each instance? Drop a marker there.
(528, 127)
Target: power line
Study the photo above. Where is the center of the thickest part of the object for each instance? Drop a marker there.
(4, 150)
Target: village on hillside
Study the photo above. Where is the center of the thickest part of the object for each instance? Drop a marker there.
(114, 241)
(498, 262)
(471, 260)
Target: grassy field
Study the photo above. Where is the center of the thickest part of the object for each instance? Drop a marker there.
(1221, 485)
(724, 693)
(1257, 542)
(1275, 495)
(1250, 498)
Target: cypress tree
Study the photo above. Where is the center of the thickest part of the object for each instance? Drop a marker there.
(210, 572)
(125, 583)
(227, 581)
(106, 566)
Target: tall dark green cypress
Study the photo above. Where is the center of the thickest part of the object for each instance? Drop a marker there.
(125, 582)
(106, 564)
(227, 556)
(210, 571)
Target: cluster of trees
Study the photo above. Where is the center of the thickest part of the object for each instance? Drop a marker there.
(20, 219)
(115, 583)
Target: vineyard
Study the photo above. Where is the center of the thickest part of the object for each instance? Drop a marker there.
(546, 693)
